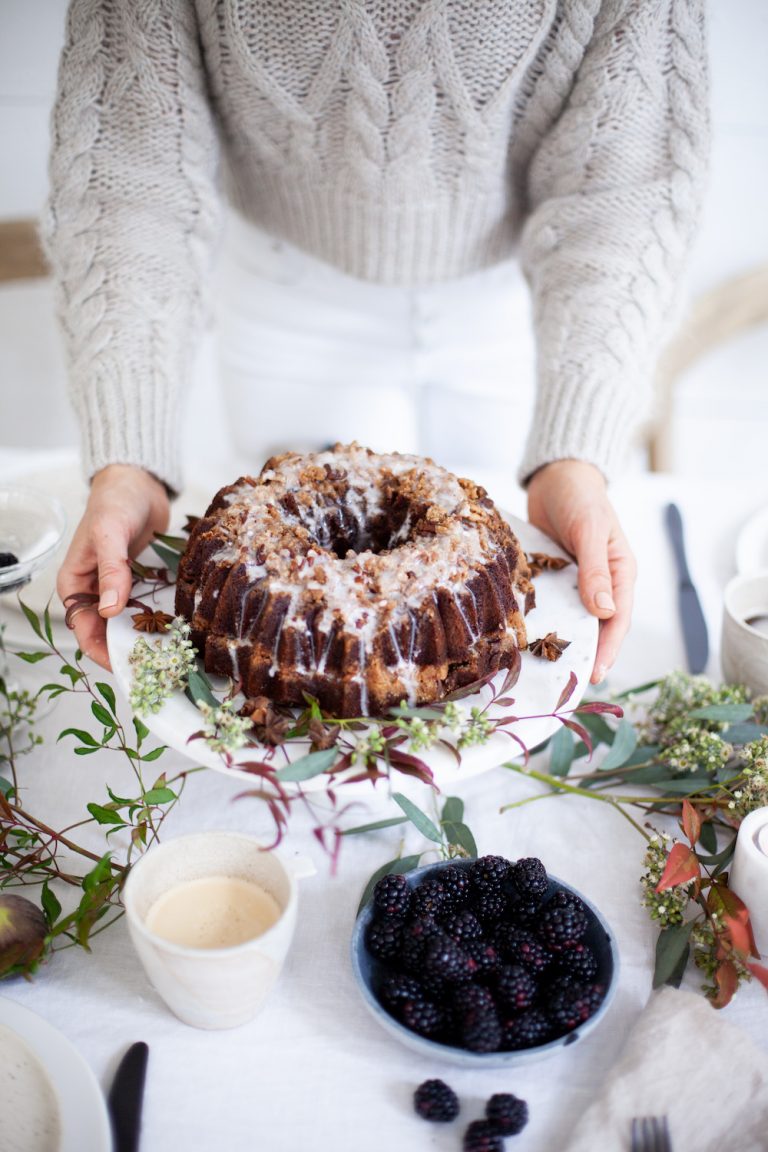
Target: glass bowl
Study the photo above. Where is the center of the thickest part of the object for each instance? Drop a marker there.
(32, 526)
(369, 972)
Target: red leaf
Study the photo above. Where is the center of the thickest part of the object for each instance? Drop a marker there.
(760, 973)
(580, 731)
(725, 901)
(512, 675)
(727, 981)
(411, 766)
(567, 692)
(691, 822)
(682, 866)
(740, 935)
(599, 707)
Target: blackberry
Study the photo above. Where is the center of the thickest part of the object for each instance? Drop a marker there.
(423, 1017)
(435, 1100)
(526, 1030)
(392, 896)
(477, 1020)
(572, 1004)
(579, 962)
(383, 938)
(456, 882)
(488, 873)
(530, 876)
(563, 899)
(436, 988)
(523, 910)
(562, 927)
(7, 559)
(448, 960)
(481, 1136)
(490, 906)
(507, 1113)
(518, 946)
(396, 988)
(472, 996)
(516, 987)
(485, 957)
(415, 935)
(429, 899)
(463, 926)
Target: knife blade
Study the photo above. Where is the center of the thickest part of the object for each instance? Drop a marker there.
(692, 619)
(126, 1097)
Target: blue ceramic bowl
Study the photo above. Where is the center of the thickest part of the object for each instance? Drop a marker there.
(369, 972)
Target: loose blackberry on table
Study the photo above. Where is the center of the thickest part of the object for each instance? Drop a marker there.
(436, 1101)
(507, 1113)
(482, 1136)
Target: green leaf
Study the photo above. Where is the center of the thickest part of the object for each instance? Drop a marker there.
(83, 736)
(672, 950)
(733, 713)
(199, 689)
(155, 754)
(637, 691)
(453, 810)
(104, 815)
(418, 818)
(121, 800)
(74, 674)
(598, 727)
(561, 752)
(159, 796)
(313, 764)
(98, 874)
(624, 744)
(32, 618)
(51, 905)
(169, 558)
(459, 833)
(744, 733)
(6, 786)
(108, 695)
(401, 865)
(47, 624)
(406, 713)
(141, 730)
(708, 837)
(101, 714)
(175, 543)
(33, 657)
(376, 825)
(85, 751)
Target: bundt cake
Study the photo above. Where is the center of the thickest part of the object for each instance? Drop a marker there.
(360, 579)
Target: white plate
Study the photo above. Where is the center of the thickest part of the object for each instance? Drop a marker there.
(57, 1079)
(752, 545)
(559, 609)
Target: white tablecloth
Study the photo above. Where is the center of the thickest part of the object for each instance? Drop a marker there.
(314, 1071)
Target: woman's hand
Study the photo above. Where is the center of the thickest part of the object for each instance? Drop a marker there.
(568, 501)
(126, 506)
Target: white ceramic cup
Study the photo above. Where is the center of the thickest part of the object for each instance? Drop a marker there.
(211, 987)
(744, 649)
(749, 873)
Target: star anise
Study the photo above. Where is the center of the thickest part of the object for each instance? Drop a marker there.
(269, 725)
(542, 562)
(322, 735)
(149, 621)
(189, 523)
(549, 647)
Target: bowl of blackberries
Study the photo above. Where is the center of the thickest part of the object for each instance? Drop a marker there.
(487, 962)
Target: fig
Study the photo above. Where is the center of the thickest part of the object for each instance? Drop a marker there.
(23, 930)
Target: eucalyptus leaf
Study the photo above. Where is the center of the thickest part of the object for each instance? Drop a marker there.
(459, 833)
(624, 744)
(198, 689)
(672, 950)
(708, 837)
(313, 764)
(453, 810)
(376, 825)
(598, 727)
(169, 557)
(561, 752)
(418, 818)
(731, 713)
(397, 867)
(744, 733)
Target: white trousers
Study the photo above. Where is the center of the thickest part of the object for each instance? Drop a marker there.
(309, 356)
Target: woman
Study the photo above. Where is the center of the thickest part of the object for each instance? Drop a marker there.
(405, 143)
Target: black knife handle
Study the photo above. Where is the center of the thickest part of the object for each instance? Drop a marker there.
(126, 1097)
(675, 528)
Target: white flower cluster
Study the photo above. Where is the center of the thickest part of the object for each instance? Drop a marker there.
(667, 907)
(367, 747)
(159, 668)
(224, 730)
(754, 792)
(697, 750)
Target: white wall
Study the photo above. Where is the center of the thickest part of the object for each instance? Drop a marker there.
(733, 237)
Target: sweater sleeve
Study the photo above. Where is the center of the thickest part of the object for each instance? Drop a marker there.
(614, 195)
(131, 215)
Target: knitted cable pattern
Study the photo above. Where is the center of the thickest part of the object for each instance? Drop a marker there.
(404, 141)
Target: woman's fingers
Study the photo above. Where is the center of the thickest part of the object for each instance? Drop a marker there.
(613, 630)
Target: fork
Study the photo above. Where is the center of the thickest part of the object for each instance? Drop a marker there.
(650, 1134)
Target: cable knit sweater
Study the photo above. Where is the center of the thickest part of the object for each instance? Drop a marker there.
(404, 141)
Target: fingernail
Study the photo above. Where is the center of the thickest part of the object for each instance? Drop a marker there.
(108, 599)
(602, 670)
(604, 600)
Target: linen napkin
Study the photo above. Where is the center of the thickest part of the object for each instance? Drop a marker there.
(683, 1059)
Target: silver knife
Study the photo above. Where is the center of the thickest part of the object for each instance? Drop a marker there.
(691, 616)
(126, 1097)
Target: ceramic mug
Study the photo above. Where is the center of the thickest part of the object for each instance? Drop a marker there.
(212, 987)
(744, 648)
(749, 872)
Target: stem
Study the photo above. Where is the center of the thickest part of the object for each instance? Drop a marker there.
(559, 785)
(58, 838)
